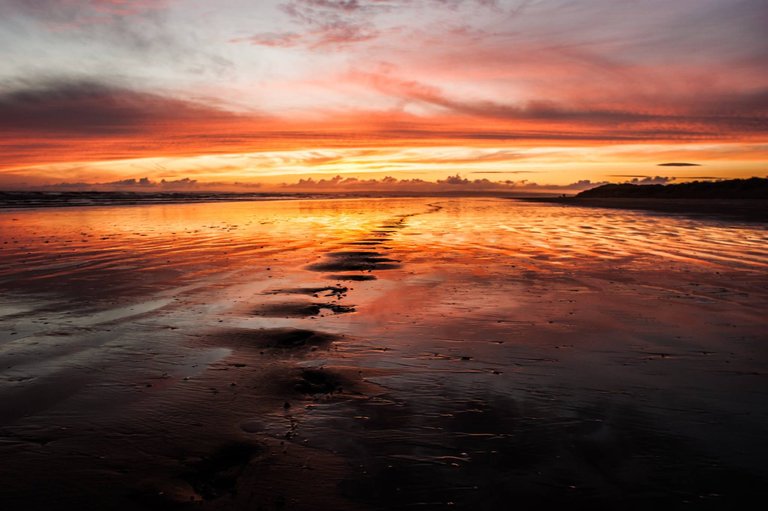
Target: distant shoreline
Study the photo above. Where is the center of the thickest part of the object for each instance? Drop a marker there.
(748, 210)
(33, 199)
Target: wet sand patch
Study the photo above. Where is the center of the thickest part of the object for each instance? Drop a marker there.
(353, 278)
(319, 381)
(240, 475)
(353, 266)
(326, 381)
(355, 263)
(217, 475)
(600, 461)
(345, 254)
(300, 309)
(279, 338)
(326, 291)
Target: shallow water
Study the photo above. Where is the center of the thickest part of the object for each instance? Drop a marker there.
(393, 352)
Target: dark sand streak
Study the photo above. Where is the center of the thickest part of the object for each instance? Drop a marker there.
(300, 309)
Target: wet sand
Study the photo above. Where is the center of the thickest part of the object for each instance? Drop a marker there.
(743, 210)
(380, 354)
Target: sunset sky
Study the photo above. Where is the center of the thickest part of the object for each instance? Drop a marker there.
(206, 94)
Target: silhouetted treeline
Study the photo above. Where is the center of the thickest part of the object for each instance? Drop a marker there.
(752, 188)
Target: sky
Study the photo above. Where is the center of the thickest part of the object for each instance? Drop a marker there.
(337, 94)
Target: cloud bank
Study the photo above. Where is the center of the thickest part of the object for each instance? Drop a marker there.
(138, 79)
(340, 184)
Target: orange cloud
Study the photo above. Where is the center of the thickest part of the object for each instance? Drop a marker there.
(83, 121)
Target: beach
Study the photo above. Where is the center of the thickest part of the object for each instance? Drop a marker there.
(381, 353)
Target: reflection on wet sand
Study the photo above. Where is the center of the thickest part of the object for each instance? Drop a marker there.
(368, 354)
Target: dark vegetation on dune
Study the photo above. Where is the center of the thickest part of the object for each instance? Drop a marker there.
(34, 199)
(752, 188)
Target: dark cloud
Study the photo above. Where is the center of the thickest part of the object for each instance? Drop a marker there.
(337, 5)
(456, 180)
(533, 110)
(416, 131)
(754, 102)
(69, 107)
(141, 182)
(645, 180)
(736, 113)
(342, 32)
(454, 183)
(41, 120)
(651, 180)
(145, 184)
(583, 184)
(336, 184)
(678, 164)
(323, 23)
(368, 6)
(332, 34)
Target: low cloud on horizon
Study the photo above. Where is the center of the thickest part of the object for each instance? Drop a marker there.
(342, 184)
(646, 180)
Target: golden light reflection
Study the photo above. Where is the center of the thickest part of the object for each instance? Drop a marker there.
(177, 240)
